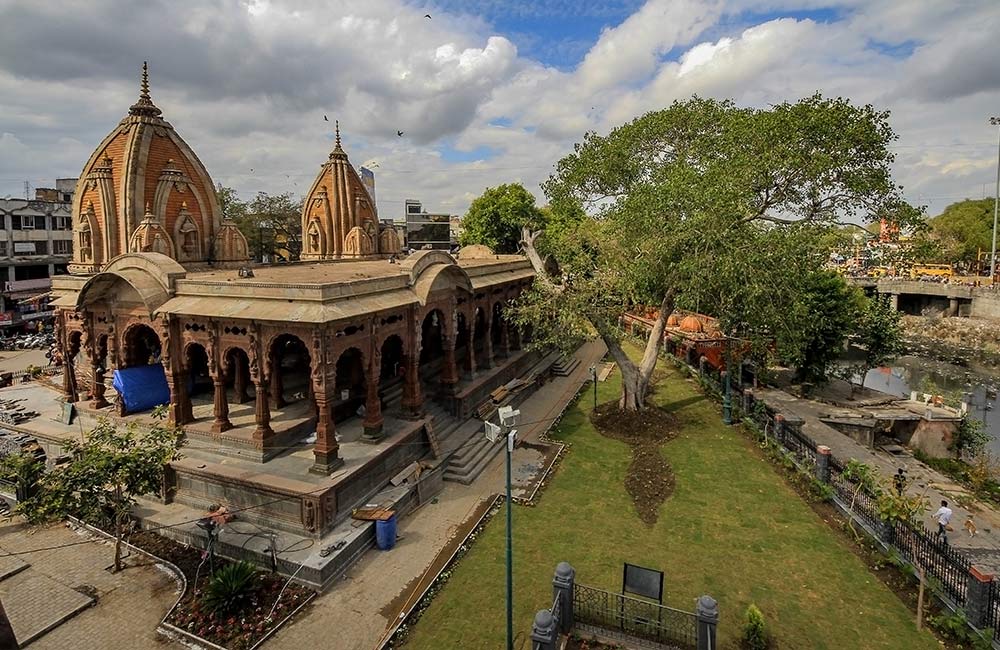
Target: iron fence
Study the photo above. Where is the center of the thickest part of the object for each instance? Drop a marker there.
(621, 616)
(993, 609)
(945, 564)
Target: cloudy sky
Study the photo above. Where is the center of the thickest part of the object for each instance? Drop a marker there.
(485, 91)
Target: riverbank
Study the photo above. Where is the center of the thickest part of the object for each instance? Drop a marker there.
(973, 342)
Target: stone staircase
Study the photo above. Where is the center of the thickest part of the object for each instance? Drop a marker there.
(564, 367)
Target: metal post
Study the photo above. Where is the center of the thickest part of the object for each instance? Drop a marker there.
(593, 376)
(510, 558)
(995, 121)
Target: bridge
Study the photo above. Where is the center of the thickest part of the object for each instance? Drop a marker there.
(914, 296)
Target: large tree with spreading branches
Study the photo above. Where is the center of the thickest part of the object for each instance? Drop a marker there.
(705, 203)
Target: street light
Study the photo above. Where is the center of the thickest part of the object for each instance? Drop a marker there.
(508, 419)
(995, 121)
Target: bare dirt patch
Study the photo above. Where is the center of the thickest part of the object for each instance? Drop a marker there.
(650, 479)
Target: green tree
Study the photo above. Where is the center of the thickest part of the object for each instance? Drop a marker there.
(965, 228)
(272, 225)
(879, 331)
(496, 217)
(824, 315)
(105, 474)
(693, 196)
(233, 207)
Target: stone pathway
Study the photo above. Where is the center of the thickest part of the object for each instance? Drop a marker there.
(363, 606)
(984, 548)
(64, 599)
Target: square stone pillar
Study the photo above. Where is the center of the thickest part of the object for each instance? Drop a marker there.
(504, 339)
(823, 464)
(326, 450)
(373, 421)
(707, 616)
(449, 373)
(488, 346)
(977, 599)
(413, 401)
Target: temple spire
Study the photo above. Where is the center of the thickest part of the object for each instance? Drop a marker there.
(145, 105)
(338, 151)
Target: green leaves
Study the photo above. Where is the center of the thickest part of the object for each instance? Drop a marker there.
(495, 219)
(964, 229)
(106, 472)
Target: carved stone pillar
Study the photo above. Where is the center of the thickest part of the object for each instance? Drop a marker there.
(221, 422)
(504, 339)
(413, 401)
(374, 421)
(449, 373)
(262, 413)
(277, 383)
(488, 345)
(179, 410)
(470, 347)
(241, 380)
(97, 385)
(325, 451)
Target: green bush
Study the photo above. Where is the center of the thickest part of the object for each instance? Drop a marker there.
(754, 631)
(956, 627)
(231, 588)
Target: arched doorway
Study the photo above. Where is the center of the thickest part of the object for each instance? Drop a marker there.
(479, 340)
(237, 365)
(290, 371)
(392, 360)
(349, 384)
(463, 344)
(141, 346)
(196, 362)
(432, 337)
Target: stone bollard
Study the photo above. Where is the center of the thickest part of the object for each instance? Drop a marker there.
(977, 598)
(823, 464)
(707, 614)
(562, 588)
(544, 631)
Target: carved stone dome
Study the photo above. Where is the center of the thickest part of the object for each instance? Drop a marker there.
(691, 324)
(145, 189)
(338, 216)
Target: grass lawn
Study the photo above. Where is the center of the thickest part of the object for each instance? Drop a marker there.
(732, 529)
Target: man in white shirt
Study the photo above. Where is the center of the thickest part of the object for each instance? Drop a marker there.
(943, 516)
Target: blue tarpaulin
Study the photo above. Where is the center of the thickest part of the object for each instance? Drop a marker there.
(142, 387)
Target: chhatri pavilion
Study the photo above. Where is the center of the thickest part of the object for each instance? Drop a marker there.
(347, 349)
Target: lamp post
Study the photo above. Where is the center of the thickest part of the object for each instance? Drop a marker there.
(508, 418)
(995, 121)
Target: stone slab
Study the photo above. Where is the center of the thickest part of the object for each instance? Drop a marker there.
(36, 604)
(11, 565)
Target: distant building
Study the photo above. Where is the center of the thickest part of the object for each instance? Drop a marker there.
(455, 225)
(37, 243)
(425, 230)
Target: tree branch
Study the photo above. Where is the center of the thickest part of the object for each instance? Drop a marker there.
(528, 239)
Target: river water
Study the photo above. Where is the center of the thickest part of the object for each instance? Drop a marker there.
(924, 374)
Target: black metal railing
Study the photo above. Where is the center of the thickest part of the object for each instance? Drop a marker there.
(942, 562)
(621, 616)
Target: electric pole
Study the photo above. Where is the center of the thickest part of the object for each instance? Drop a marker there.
(995, 121)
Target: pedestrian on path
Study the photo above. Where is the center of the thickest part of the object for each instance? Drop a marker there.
(899, 481)
(943, 516)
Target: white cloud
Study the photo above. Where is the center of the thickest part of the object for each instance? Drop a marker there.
(247, 83)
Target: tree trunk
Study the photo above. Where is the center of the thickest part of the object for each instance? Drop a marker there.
(636, 377)
(118, 545)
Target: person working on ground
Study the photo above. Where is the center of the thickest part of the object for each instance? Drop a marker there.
(943, 516)
(899, 481)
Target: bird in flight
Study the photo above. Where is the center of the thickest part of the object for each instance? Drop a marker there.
(326, 119)
(399, 133)
(251, 170)
(427, 16)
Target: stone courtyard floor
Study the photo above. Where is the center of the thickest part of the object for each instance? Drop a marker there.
(64, 598)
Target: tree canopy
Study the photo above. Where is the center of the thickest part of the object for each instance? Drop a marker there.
(710, 206)
(272, 224)
(965, 228)
(105, 474)
(495, 218)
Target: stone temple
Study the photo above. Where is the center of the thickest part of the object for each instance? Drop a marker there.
(302, 388)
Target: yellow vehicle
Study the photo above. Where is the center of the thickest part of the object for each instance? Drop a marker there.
(931, 270)
(878, 272)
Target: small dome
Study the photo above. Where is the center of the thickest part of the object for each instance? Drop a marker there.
(691, 324)
(673, 320)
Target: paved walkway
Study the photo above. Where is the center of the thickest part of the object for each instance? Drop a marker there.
(984, 548)
(16, 360)
(358, 610)
(68, 592)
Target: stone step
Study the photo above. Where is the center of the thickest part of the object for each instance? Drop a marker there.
(484, 453)
(564, 367)
(468, 455)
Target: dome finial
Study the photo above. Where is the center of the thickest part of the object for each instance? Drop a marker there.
(338, 151)
(145, 105)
